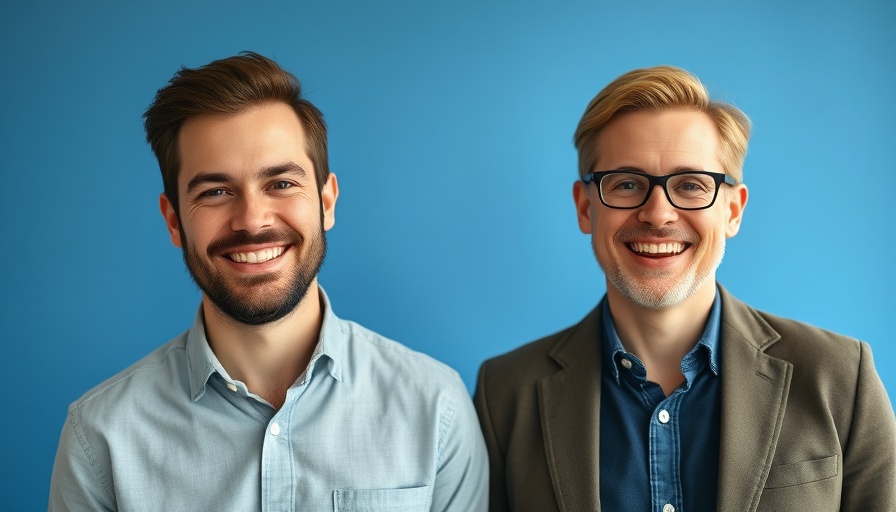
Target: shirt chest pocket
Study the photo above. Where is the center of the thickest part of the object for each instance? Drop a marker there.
(798, 473)
(412, 499)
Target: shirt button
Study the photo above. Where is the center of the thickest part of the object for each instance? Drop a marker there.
(664, 418)
(231, 386)
(626, 364)
(275, 429)
(668, 508)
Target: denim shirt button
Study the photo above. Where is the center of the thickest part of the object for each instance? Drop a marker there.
(663, 416)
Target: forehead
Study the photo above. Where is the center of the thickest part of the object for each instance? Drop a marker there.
(660, 140)
(262, 136)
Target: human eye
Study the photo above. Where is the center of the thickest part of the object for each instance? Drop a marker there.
(210, 196)
(623, 184)
(692, 184)
(281, 185)
(214, 192)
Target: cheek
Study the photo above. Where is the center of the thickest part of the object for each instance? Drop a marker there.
(609, 222)
(604, 229)
(199, 230)
(712, 239)
(304, 215)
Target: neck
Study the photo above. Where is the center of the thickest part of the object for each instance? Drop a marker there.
(661, 338)
(268, 358)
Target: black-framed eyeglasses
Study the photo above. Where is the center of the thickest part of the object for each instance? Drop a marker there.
(688, 190)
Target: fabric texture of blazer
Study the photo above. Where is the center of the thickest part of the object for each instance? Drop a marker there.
(806, 422)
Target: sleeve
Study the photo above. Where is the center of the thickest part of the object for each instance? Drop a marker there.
(462, 478)
(497, 488)
(77, 483)
(869, 457)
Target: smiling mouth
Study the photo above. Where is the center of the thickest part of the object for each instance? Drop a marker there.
(663, 249)
(256, 256)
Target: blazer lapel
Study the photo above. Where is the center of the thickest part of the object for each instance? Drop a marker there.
(754, 397)
(569, 402)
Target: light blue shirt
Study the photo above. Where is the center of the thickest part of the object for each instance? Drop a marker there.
(370, 426)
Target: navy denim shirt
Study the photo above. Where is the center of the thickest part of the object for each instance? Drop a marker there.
(657, 452)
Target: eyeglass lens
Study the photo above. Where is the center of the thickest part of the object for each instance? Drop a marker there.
(685, 190)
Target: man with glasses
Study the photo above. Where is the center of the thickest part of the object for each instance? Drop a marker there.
(672, 394)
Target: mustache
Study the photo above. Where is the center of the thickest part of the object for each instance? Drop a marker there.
(635, 232)
(241, 238)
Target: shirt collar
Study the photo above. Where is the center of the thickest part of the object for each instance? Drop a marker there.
(332, 347)
(612, 346)
(333, 340)
(201, 361)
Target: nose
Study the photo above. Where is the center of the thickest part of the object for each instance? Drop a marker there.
(657, 211)
(251, 213)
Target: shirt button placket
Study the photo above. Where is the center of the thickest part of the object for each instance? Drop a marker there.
(276, 473)
(665, 455)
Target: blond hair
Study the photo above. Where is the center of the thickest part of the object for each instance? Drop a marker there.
(657, 88)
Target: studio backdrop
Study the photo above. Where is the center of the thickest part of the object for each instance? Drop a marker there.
(451, 130)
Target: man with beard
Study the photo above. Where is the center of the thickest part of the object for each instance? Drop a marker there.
(269, 401)
(672, 394)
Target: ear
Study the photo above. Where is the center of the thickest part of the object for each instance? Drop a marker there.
(328, 195)
(171, 220)
(583, 205)
(737, 201)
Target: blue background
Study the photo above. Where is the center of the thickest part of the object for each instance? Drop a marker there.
(450, 131)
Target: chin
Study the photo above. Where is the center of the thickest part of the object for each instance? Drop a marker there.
(657, 294)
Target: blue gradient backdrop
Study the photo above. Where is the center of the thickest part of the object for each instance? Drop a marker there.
(450, 131)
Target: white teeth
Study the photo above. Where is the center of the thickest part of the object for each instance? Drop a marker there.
(257, 256)
(664, 248)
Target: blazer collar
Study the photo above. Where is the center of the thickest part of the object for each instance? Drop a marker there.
(569, 401)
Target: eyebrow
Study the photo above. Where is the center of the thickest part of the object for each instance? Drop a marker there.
(268, 172)
(675, 170)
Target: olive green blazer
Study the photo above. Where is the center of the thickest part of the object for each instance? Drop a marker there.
(806, 422)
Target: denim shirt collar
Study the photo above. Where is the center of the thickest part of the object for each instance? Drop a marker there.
(202, 362)
(613, 349)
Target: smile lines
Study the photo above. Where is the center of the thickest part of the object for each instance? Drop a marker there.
(256, 256)
(663, 248)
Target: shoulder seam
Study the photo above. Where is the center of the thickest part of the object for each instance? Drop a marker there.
(98, 391)
(74, 418)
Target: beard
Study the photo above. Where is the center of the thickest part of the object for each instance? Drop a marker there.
(650, 295)
(244, 299)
